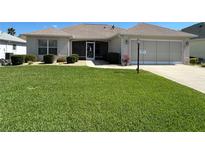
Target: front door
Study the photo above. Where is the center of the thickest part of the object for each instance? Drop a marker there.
(90, 50)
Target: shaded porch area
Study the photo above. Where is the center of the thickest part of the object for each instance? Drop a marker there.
(90, 50)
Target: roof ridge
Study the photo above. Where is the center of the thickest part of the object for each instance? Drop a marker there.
(91, 25)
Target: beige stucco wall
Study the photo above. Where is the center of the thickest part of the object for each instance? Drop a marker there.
(126, 46)
(197, 48)
(63, 45)
(114, 44)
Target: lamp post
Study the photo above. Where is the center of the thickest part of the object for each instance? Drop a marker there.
(138, 57)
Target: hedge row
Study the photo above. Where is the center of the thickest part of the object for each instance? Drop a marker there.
(195, 60)
(49, 59)
(20, 59)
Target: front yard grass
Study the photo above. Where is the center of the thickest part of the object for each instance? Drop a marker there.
(60, 98)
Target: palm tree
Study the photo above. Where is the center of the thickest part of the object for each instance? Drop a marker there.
(11, 31)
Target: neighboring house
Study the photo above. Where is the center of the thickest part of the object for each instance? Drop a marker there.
(10, 45)
(197, 45)
(93, 41)
(22, 37)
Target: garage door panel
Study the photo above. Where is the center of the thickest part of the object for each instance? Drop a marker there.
(150, 48)
(163, 54)
(157, 52)
(176, 51)
(134, 51)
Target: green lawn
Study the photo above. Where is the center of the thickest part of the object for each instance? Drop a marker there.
(60, 98)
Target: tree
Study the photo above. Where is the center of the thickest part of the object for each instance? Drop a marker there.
(11, 31)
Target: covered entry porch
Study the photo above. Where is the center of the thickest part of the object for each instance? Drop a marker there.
(90, 49)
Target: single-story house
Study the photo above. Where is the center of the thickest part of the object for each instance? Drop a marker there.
(197, 44)
(10, 45)
(158, 45)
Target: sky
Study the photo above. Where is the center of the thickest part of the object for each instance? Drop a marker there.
(25, 27)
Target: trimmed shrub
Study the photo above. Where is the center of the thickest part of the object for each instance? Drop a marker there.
(193, 61)
(76, 57)
(17, 59)
(49, 59)
(61, 60)
(114, 58)
(203, 65)
(71, 59)
(200, 61)
(30, 58)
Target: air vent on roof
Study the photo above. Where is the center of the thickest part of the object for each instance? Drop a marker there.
(113, 26)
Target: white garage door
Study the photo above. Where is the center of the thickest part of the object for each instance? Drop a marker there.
(163, 54)
(150, 54)
(157, 52)
(176, 52)
(134, 51)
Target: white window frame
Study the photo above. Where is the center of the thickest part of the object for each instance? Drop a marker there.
(47, 45)
(87, 42)
(13, 47)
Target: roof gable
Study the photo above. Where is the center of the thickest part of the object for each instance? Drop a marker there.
(153, 30)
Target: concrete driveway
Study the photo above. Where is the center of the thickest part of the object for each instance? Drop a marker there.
(191, 76)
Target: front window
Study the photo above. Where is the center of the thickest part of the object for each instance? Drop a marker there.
(47, 47)
(52, 47)
(42, 47)
(14, 46)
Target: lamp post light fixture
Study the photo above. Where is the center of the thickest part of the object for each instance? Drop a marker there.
(138, 57)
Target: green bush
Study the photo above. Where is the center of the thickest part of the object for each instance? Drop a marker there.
(17, 59)
(61, 60)
(203, 65)
(200, 61)
(71, 59)
(193, 61)
(76, 57)
(114, 58)
(49, 59)
(30, 58)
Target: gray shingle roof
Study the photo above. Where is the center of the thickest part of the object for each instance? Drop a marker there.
(143, 29)
(48, 32)
(197, 29)
(8, 37)
(92, 31)
(103, 31)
